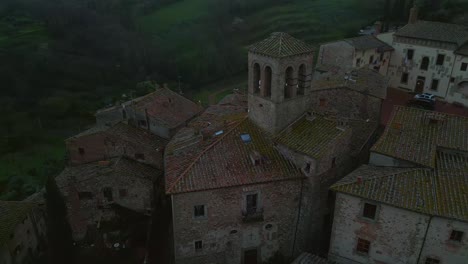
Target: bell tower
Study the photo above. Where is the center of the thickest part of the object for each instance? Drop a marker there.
(280, 75)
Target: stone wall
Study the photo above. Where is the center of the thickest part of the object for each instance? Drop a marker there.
(395, 235)
(339, 53)
(224, 234)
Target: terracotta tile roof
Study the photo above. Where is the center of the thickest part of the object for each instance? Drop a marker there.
(438, 31)
(11, 214)
(129, 133)
(307, 258)
(442, 192)
(118, 167)
(280, 45)
(312, 138)
(363, 80)
(210, 153)
(368, 42)
(166, 106)
(410, 135)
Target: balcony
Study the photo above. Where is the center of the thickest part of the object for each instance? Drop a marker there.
(252, 215)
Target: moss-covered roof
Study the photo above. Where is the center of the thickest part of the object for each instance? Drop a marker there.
(311, 137)
(280, 45)
(441, 192)
(11, 214)
(414, 135)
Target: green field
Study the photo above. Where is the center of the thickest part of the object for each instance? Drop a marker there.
(19, 31)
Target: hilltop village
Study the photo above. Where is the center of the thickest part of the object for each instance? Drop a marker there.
(315, 163)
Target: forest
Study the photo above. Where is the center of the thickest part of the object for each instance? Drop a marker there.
(61, 60)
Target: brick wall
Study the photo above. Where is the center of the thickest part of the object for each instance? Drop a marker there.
(224, 234)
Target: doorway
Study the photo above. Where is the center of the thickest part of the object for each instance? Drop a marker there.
(251, 256)
(420, 84)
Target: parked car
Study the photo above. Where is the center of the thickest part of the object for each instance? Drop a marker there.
(421, 104)
(425, 97)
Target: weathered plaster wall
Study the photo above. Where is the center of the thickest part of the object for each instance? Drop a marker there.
(395, 235)
(457, 91)
(221, 244)
(438, 243)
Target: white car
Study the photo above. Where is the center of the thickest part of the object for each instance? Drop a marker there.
(425, 97)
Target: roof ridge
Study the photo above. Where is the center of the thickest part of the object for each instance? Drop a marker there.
(379, 176)
(182, 175)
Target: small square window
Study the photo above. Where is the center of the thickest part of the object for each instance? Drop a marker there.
(363, 246)
(323, 102)
(456, 235)
(369, 210)
(432, 261)
(410, 54)
(463, 66)
(123, 193)
(440, 59)
(199, 211)
(452, 80)
(81, 151)
(198, 245)
(142, 123)
(435, 85)
(139, 156)
(404, 78)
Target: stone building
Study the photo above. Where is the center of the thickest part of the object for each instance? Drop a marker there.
(354, 53)
(228, 171)
(99, 194)
(429, 57)
(409, 205)
(22, 232)
(120, 139)
(162, 112)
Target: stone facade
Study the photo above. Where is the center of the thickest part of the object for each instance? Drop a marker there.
(27, 241)
(225, 233)
(396, 235)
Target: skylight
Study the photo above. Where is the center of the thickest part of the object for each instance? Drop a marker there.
(246, 138)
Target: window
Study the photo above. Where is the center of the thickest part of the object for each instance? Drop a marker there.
(333, 163)
(139, 156)
(85, 196)
(198, 245)
(432, 261)
(404, 78)
(440, 59)
(369, 210)
(456, 235)
(124, 114)
(108, 194)
(381, 56)
(81, 151)
(363, 246)
(452, 80)
(323, 102)
(199, 211)
(307, 167)
(358, 62)
(424, 63)
(123, 193)
(410, 54)
(371, 59)
(142, 123)
(434, 85)
(463, 66)
(251, 203)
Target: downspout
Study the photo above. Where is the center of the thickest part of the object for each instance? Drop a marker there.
(298, 217)
(424, 240)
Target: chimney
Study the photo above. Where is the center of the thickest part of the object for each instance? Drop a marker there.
(256, 158)
(413, 17)
(377, 27)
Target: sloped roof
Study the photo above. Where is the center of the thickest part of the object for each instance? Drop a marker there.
(128, 133)
(11, 214)
(118, 167)
(312, 138)
(166, 106)
(210, 153)
(368, 42)
(410, 136)
(363, 80)
(441, 192)
(437, 31)
(280, 45)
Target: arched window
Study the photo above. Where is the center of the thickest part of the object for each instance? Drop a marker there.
(288, 83)
(267, 83)
(425, 63)
(256, 78)
(301, 85)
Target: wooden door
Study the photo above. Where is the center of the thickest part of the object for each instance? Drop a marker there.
(250, 256)
(420, 84)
